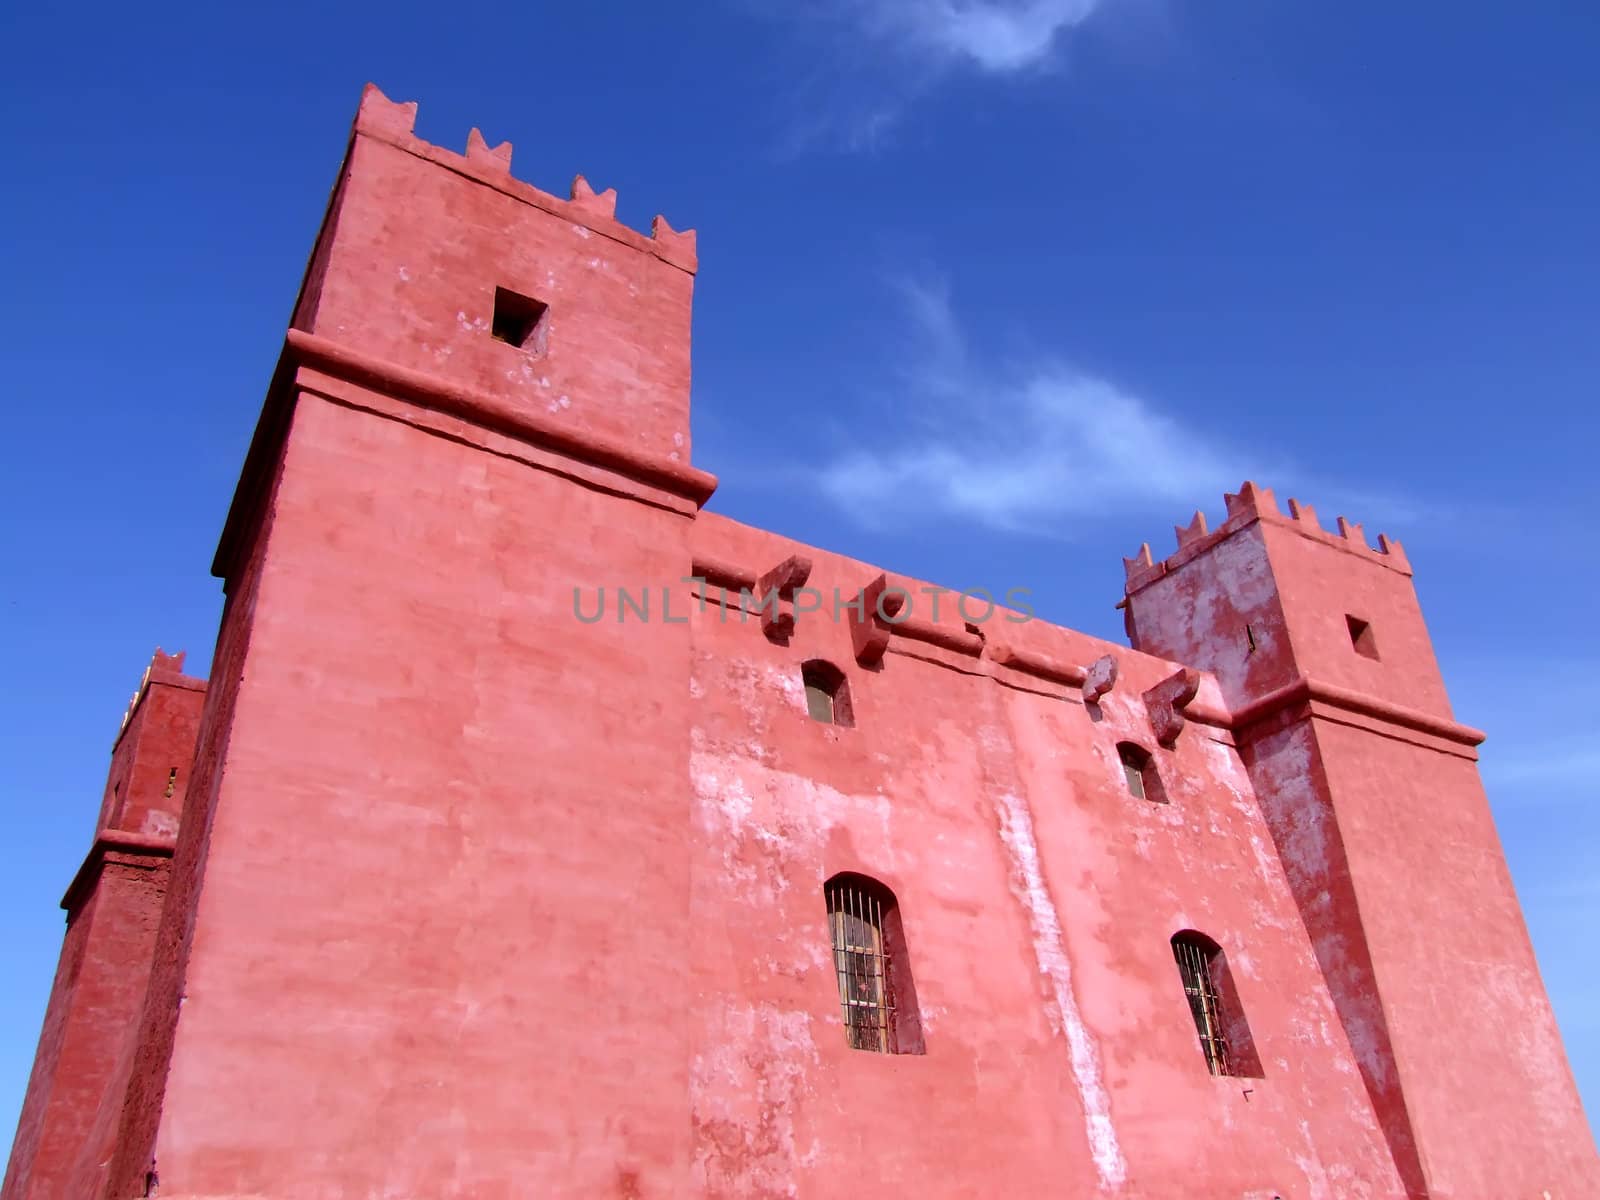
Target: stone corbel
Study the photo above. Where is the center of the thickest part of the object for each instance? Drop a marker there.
(1099, 679)
(774, 595)
(1166, 702)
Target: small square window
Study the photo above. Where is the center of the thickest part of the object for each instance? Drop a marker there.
(520, 321)
(1361, 637)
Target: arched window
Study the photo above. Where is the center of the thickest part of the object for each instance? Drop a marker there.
(827, 693)
(1213, 1003)
(1139, 773)
(876, 994)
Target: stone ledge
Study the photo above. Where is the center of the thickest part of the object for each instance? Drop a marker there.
(131, 849)
(1304, 690)
(503, 416)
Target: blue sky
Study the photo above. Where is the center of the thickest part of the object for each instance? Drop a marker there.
(989, 293)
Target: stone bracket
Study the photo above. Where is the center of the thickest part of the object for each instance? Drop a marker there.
(1166, 702)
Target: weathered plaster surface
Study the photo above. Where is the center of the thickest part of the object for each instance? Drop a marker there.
(450, 891)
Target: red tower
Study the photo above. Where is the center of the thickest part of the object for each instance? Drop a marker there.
(113, 908)
(483, 400)
(1372, 793)
(547, 836)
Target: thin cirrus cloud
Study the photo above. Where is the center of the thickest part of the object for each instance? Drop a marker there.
(991, 35)
(1018, 448)
(879, 55)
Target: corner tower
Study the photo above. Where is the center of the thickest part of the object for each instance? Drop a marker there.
(444, 265)
(435, 831)
(1371, 789)
(80, 1071)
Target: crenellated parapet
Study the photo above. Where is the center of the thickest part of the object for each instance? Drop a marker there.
(1245, 507)
(163, 668)
(395, 123)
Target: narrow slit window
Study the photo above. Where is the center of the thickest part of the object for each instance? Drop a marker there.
(876, 995)
(827, 693)
(1201, 967)
(520, 321)
(1361, 637)
(1139, 773)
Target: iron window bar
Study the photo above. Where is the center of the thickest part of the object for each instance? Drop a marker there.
(861, 963)
(1199, 985)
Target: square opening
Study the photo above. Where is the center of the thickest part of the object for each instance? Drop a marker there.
(520, 321)
(1361, 636)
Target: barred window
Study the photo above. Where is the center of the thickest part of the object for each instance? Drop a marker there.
(874, 976)
(1200, 964)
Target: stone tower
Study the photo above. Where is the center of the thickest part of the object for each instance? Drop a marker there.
(546, 835)
(1371, 789)
(113, 905)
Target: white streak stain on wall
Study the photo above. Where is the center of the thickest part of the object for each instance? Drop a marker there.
(1016, 833)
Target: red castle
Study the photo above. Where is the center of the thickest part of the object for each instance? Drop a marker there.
(774, 880)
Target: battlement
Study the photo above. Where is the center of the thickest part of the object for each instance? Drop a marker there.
(395, 123)
(163, 668)
(1244, 508)
(440, 281)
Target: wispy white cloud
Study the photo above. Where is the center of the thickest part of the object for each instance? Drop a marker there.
(870, 60)
(995, 36)
(1019, 446)
(1037, 445)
